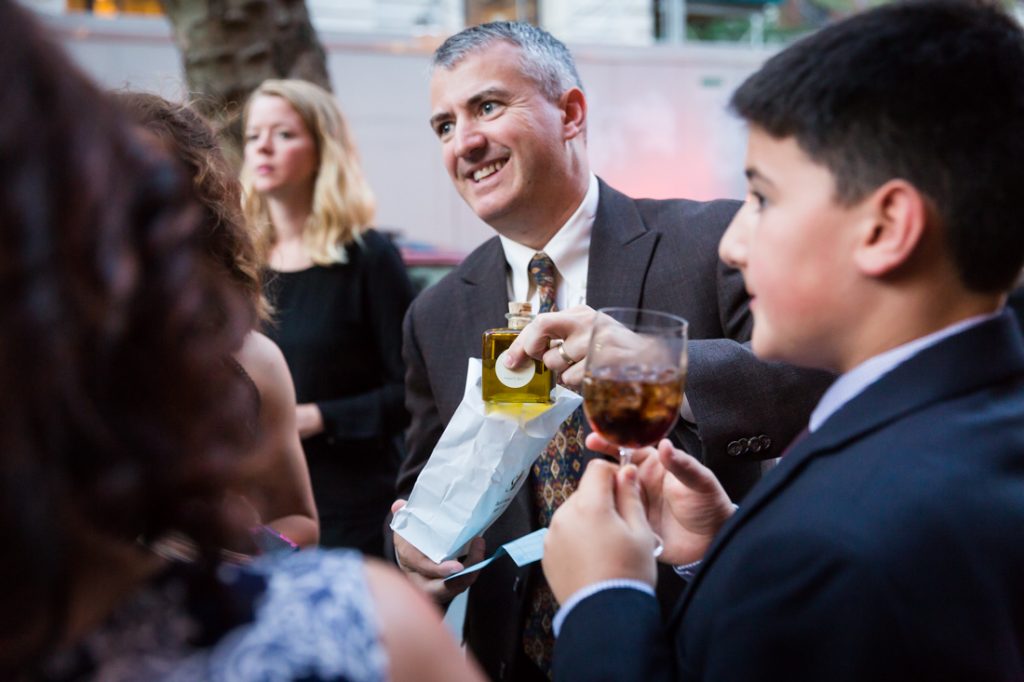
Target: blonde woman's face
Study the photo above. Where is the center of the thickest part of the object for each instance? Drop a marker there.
(280, 152)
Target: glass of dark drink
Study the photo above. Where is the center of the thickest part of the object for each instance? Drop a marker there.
(634, 376)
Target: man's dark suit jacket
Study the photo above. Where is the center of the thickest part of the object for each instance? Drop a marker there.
(885, 546)
(1015, 302)
(661, 255)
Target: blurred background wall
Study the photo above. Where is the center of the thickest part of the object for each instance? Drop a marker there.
(658, 125)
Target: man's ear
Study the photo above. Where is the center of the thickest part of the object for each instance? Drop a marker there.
(895, 221)
(573, 104)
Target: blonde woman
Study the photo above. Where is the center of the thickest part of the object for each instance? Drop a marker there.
(340, 291)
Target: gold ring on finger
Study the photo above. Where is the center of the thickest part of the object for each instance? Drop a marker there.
(569, 362)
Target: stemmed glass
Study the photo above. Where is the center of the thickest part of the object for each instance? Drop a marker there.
(634, 376)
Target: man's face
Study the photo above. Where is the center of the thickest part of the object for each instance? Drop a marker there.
(503, 142)
(795, 245)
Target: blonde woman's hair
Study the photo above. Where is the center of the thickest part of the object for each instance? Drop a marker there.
(343, 203)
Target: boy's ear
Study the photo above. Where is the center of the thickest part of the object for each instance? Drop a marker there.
(897, 216)
(573, 104)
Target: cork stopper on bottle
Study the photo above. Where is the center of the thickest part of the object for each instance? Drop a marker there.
(520, 308)
(519, 314)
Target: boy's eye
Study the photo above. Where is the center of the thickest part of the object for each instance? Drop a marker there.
(759, 201)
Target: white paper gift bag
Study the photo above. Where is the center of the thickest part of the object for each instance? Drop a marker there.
(480, 463)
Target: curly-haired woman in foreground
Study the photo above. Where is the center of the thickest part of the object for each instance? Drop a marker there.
(277, 492)
(120, 419)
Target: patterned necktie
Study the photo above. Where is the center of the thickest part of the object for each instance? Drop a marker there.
(542, 272)
(555, 475)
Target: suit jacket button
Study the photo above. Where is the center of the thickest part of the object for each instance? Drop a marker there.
(737, 447)
(516, 583)
(766, 443)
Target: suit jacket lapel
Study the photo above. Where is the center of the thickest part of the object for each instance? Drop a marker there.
(484, 298)
(621, 248)
(983, 355)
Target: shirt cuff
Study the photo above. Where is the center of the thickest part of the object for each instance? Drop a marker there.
(591, 590)
(687, 571)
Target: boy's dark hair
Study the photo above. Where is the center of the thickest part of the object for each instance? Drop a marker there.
(930, 91)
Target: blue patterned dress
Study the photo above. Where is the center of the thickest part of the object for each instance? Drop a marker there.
(304, 616)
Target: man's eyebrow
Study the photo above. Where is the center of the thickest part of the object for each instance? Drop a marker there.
(475, 100)
(493, 92)
(437, 118)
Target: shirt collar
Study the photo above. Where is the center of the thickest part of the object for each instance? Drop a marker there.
(569, 250)
(851, 384)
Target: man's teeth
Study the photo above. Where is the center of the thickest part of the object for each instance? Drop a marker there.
(488, 170)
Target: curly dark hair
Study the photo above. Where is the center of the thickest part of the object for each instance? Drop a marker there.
(118, 412)
(192, 141)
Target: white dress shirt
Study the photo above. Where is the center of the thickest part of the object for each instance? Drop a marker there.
(568, 249)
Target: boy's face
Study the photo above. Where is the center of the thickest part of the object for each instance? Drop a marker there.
(794, 244)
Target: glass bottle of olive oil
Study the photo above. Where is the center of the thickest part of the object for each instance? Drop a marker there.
(531, 383)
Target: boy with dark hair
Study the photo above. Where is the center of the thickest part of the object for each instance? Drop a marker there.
(881, 235)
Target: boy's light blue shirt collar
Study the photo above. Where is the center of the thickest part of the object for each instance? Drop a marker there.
(851, 384)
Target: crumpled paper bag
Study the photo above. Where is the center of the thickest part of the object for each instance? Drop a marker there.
(480, 463)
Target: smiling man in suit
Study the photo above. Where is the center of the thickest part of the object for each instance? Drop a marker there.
(509, 111)
(882, 233)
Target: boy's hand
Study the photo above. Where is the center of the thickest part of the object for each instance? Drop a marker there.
(685, 503)
(600, 533)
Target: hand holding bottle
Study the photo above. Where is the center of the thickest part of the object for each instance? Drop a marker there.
(559, 340)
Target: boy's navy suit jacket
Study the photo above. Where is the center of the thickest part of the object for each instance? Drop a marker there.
(887, 545)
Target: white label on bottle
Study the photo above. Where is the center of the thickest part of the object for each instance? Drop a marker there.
(513, 378)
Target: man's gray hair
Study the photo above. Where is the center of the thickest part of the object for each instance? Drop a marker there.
(544, 58)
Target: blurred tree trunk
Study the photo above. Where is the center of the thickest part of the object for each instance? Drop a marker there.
(229, 47)
(483, 11)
